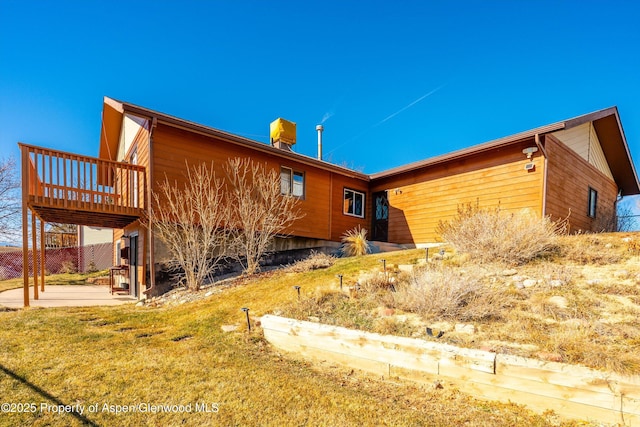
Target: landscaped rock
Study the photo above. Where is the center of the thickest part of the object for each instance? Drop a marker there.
(555, 283)
(384, 311)
(465, 328)
(529, 283)
(140, 303)
(229, 328)
(592, 282)
(510, 272)
(208, 294)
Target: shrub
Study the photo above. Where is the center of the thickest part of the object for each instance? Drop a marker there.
(92, 267)
(495, 235)
(355, 243)
(590, 249)
(314, 261)
(68, 267)
(449, 293)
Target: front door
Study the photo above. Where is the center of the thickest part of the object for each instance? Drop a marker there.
(380, 224)
(133, 264)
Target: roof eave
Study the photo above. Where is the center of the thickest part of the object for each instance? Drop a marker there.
(476, 149)
(235, 139)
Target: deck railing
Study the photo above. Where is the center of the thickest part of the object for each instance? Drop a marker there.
(57, 179)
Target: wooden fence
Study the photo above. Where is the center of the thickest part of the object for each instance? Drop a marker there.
(571, 391)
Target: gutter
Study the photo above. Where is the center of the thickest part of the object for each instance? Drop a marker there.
(150, 238)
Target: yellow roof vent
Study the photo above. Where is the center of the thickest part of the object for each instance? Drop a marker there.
(282, 133)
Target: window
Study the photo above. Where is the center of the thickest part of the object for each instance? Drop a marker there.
(354, 203)
(291, 182)
(593, 202)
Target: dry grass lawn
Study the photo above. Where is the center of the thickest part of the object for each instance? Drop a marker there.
(178, 354)
(578, 305)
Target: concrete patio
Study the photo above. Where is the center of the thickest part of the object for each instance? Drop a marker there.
(65, 296)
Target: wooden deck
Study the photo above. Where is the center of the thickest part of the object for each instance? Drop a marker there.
(72, 189)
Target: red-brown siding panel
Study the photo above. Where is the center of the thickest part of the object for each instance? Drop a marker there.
(419, 200)
(568, 182)
(320, 205)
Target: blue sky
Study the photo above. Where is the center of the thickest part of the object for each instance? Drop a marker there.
(488, 69)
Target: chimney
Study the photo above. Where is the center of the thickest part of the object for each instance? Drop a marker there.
(319, 128)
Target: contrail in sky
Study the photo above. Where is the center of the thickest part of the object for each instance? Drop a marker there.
(409, 105)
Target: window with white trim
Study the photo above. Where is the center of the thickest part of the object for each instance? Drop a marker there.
(593, 202)
(291, 182)
(354, 203)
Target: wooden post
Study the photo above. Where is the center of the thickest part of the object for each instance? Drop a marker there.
(42, 255)
(25, 224)
(34, 253)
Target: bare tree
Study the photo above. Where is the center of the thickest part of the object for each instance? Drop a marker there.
(9, 200)
(625, 219)
(189, 220)
(257, 210)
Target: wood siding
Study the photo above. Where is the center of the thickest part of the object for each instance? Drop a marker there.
(419, 199)
(568, 181)
(323, 193)
(584, 140)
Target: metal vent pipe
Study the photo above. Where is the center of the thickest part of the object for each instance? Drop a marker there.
(319, 128)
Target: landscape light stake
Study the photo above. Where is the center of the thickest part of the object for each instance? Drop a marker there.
(384, 269)
(297, 288)
(427, 254)
(340, 277)
(246, 310)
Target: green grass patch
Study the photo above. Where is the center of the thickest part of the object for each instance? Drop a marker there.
(53, 280)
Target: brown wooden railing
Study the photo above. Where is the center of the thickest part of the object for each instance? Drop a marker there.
(56, 179)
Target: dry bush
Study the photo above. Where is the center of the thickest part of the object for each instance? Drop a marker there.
(451, 294)
(68, 267)
(334, 308)
(355, 243)
(595, 345)
(314, 261)
(495, 235)
(589, 249)
(374, 282)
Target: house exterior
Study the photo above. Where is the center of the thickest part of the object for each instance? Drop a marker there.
(576, 168)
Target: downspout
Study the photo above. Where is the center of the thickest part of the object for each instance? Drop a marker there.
(544, 177)
(330, 204)
(150, 238)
